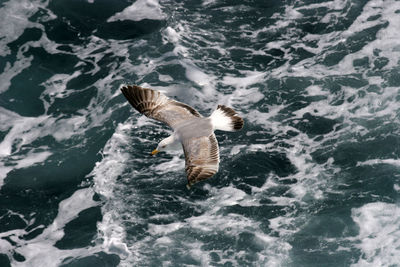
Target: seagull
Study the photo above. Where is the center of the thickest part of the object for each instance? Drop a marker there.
(193, 131)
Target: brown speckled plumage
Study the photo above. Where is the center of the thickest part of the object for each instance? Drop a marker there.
(202, 158)
(156, 105)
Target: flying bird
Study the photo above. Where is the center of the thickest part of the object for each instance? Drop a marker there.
(191, 129)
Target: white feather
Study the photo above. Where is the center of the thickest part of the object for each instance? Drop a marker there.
(220, 121)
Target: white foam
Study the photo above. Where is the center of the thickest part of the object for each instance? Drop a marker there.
(22, 131)
(56, 88)
(244, 97)
(16, 15)
(394, 162)
(111, 232)
(199, 77)
(174, 165)
(25, 130)
(315, 90)
(28, 129)
(32, 158)
(67, 211)
(250, 78)
(11, 71)
(231, 224)
(208, 2)
(379, 234)
(164, 229)
(165, 78)
(140, 10)
(171, 35)
(335, 5)
(41, 250)
(4, 170)
(113, 162)
(196, 75)
(176, 35)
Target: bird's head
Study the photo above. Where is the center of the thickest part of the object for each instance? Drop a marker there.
(162, 146)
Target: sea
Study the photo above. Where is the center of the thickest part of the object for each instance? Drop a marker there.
(313, 178)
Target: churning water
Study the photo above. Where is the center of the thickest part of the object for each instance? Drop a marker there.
(312, 179)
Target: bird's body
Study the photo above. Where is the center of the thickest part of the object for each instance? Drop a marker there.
(191, 129)
(195, 127)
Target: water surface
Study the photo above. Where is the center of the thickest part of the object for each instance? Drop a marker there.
(312, 179)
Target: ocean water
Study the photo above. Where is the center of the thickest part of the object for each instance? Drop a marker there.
(312, 179)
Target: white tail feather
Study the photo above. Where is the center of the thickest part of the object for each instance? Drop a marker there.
(226, 119)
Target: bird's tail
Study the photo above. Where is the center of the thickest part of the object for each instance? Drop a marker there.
(225, 119)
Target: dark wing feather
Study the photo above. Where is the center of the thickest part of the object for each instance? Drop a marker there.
(156, 105)
(202, 158)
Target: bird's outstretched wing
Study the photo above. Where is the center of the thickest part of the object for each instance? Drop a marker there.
(156, 105)
(202, 158)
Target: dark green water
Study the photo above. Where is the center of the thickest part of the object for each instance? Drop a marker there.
(312, 179)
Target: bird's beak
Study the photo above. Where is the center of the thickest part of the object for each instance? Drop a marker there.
(155, 151)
